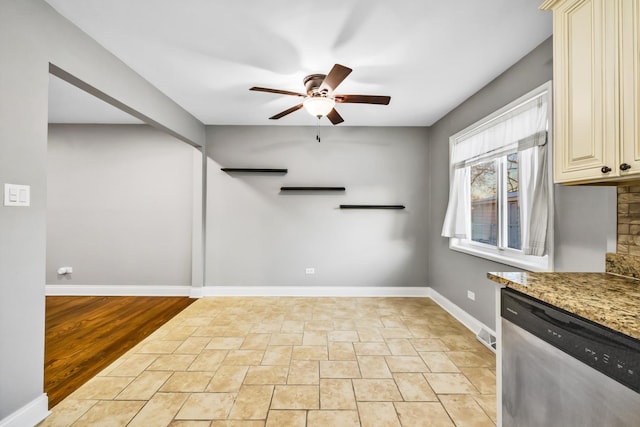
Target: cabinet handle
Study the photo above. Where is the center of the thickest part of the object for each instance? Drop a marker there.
(606, 169)
(625, 166)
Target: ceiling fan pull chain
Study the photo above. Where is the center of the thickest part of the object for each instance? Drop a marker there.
(318, 130)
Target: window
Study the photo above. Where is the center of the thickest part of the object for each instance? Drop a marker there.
(484, 203)
(486, 197)
(500, 198)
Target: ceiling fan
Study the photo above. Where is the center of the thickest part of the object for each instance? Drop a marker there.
(321, 99)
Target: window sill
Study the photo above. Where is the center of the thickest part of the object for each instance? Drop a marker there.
(528, 263)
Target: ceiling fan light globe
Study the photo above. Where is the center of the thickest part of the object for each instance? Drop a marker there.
(319, 106)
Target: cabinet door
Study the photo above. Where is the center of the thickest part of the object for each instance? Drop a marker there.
(584, 80)
(629, 60)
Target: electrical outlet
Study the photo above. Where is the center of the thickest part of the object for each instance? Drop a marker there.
(65, 270)
(310, 270)
(471, 295)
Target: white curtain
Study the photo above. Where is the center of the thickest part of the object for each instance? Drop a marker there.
(534, 199)
(456, 221)
(499, 133)
(520, 128)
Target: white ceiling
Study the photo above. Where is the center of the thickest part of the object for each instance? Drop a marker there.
(428, 55)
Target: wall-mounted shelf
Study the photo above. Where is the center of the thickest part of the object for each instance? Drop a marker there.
(371, 206)
(312, 189)
(255, 170)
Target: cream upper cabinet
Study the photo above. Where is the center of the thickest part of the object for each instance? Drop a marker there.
(596, 97)
(629, 84)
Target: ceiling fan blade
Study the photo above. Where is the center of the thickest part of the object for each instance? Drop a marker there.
(285, 112)
(363, 99)
(334, 117)
(282, 92)
(337, 74)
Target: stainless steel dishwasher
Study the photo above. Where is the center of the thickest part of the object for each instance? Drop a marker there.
(559, 369)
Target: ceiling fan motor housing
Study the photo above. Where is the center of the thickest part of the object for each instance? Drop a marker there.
(312, 83)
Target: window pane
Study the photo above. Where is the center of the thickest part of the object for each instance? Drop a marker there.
(484, 208)
(513, 202)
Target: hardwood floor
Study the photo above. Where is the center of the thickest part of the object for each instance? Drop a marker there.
(83, 335)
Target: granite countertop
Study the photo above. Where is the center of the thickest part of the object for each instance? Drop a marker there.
(607, 299)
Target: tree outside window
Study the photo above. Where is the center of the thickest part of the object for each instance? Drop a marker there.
(488, 198)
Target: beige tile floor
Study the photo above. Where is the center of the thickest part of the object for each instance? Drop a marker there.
(266, 362)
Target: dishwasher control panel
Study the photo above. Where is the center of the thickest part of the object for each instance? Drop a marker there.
(614, 354)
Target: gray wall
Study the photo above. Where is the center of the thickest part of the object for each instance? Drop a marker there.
(258, 236)
(119, 206)
(32, 35)
(584, 216)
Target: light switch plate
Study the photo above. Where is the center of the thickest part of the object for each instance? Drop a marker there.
(17, 195)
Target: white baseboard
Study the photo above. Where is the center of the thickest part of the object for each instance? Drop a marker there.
(473, 324)
(28, 415)
(315, 291)
(271, 291)
(118, 290)
(216, 291)
(196, 292)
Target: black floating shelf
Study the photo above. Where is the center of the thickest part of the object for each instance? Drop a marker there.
(254, 170)
(371, 206)
(312, 189)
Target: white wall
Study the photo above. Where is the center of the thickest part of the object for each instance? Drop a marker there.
(258, 236)
(33, 35)
(119, 206)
